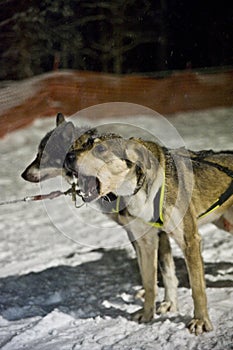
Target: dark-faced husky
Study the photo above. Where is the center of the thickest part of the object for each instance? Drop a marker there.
(164, 192)
(52, 151)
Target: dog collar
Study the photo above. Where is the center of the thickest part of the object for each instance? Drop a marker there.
(157, 220)
(117, 209)
(140, 179)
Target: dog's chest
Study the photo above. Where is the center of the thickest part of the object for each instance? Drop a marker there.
(140, 206)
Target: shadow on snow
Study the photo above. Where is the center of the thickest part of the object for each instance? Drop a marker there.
(83, 290)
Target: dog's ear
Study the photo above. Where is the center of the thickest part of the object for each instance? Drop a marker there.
(117, 145)
(59, 119)
(68, 132)
(138, 154)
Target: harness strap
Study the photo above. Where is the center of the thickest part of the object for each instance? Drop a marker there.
(223, 198)
(117, 209)
(220, 167)
(158, 208)
(225, 195)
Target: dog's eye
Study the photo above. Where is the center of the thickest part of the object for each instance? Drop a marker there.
(100, 148)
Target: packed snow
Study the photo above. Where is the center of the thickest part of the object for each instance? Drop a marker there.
(69, 276)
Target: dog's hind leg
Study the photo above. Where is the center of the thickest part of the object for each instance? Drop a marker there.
(167, 268)
(191, 246)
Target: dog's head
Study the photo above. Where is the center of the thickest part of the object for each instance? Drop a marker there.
(51, 152)
(108, 164)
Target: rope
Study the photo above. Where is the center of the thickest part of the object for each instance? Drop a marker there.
(54, 194)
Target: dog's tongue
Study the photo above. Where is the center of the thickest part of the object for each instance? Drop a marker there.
(89, 186)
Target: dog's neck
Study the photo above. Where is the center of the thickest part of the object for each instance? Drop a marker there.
(141, 202)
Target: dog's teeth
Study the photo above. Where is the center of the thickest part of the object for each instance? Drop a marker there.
(75, 179)
(84, 195)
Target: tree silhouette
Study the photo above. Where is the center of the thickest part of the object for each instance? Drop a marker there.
(119, 27)
(121, 36)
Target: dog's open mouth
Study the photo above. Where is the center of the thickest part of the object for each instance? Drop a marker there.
(89, 187)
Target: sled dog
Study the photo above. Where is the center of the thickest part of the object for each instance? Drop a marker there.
(159, 192)
(49, 163)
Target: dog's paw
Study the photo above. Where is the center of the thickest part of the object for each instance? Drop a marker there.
(143, 316)
(166, 306)
(199, 326)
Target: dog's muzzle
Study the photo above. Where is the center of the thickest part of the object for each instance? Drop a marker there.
(70, 166)
(89, 187)
(70, 162)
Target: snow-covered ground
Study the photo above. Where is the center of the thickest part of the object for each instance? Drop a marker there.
(68, 276)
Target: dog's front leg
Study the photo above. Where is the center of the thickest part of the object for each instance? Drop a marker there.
(191, 247)
(146, 246)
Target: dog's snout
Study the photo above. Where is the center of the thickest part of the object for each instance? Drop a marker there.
(70, 156)
(70, 159)
(24, 175)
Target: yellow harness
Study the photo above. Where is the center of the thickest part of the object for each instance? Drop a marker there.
(159, 199)
(223, 198)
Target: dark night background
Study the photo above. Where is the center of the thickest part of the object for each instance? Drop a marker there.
(121, 36)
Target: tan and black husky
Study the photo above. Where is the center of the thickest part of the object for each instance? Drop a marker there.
(159, 192)
(49, 162)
